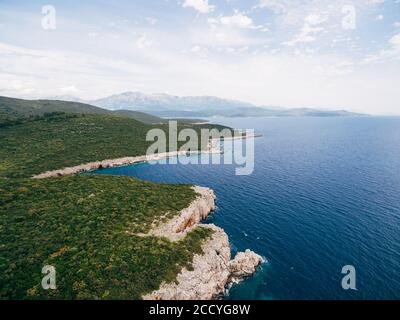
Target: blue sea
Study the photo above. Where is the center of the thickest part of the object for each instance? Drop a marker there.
(325, 193)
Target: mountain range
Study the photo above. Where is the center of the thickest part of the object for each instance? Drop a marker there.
(164, 105)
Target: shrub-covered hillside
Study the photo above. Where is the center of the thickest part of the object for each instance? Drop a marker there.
(89, 227)
(54, 141)
(27, 108)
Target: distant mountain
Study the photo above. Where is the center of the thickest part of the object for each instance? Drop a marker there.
(165, 102)
(164, 105)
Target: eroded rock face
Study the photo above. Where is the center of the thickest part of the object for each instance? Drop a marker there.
(176, 228)
(209, 276)
(244, 265)
(212, 271)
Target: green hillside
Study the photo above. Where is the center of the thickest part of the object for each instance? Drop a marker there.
(140, 116)
(88, 226)
(11, 108)
(24, 108)
(56, 141)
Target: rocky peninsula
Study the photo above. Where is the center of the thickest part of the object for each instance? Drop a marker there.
(212, 271)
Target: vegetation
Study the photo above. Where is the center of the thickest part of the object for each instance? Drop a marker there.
(18, 108)
(89, 227)
(55, 141)
(23, 108)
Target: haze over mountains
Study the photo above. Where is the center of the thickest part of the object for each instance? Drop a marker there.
(164, 105)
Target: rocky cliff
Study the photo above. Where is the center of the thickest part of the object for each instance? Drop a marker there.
(212, 271)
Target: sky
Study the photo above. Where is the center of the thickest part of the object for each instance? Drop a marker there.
(342, 54)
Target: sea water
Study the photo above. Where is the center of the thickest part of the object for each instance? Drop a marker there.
(325, 193)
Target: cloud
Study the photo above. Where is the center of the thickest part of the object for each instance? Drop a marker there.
(336, 69)
(201, 6)
(310, 28)
(262, 79)
(199, 51)
(224, 56)
(292, 12)
(238, 20)
(315, 19)
(277, 6)
(395, 41)
(392, 52)
(143, 42)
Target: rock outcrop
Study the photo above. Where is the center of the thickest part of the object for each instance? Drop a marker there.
(244, 265)
(176, 228)
(212, 271)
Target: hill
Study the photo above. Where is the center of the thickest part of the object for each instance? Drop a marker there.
(16, 108)
(24, 108)
(54, 141)
(89, 227)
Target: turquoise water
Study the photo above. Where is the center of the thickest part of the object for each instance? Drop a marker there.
(325, 193)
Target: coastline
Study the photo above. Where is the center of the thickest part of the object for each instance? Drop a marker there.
(213, 148)
(119, 162)
(214, 270)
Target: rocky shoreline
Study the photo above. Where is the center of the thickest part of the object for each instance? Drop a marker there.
(212, 271)
(120, 162)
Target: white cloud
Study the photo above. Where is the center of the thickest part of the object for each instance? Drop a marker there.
(225, 57)
(392, 52)
(199, 51)
(238, 20)
(396, 24)
(277, 6)
(336, 69)
(263, 79)
(315, 19)
(201, 6)
(143, 42)
(309, 30)
(292, 12)
(395, 41)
